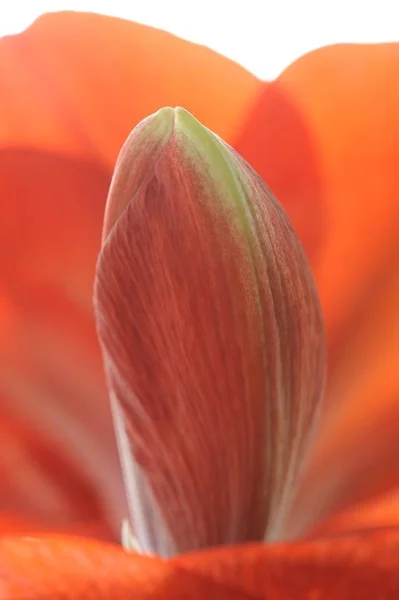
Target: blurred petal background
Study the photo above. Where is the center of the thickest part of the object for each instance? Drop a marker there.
(323, 135)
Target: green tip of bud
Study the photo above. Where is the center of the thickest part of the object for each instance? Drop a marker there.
(137, 156)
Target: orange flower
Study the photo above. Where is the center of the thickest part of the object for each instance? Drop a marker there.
(323, 136)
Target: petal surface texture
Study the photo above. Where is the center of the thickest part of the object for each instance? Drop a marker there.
(356, 567)
(212, 337)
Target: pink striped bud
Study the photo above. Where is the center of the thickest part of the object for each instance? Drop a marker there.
(212, 338)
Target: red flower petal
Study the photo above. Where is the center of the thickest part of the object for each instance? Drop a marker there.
(83, 99)
(64, 568)
(276, 141)
(50, 371)
(348, 99)
(381, 511)
(355, 567)
(41, 488)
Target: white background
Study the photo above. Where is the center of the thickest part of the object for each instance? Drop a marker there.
(262, 35)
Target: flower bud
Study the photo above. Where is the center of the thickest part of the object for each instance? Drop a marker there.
(212, 338)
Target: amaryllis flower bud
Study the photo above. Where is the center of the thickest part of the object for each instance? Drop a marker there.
(212, 338)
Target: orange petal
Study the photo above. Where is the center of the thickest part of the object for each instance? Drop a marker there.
(50, 369)
(276, 141)
(12, 524)
(358, 443)
(356, 454)
(71, 569)
(381, 511)
(356, 567)
(68, 568)
(59, 496)
(348, 97)
(85, 98)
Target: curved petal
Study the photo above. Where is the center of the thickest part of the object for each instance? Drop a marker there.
(356, 567)
(276, 141)
(356, 454)
(61, 497)
(380, 511)
(84, 98)
(334, 114)
(50, 370)
(65, 567)
(348, 97)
